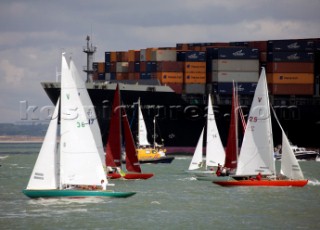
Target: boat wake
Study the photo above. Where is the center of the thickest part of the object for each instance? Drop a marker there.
(182, 158)
(67, 201)
(188, 179)
(314, 182)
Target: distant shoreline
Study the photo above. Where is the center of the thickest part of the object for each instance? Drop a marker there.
(20, 139)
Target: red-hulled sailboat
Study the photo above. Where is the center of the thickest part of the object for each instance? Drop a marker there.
(256, 155)
(113, 149)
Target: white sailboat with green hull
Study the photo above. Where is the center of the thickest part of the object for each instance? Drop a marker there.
(76, 168)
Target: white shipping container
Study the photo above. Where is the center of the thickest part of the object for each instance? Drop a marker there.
(143, 55)
(164, 55)
(235, 65)
(122, 67)
(107, 76)
(234, 76)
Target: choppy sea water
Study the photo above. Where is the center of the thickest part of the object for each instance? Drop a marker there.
(172, 199)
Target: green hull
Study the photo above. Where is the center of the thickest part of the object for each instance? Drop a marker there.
(74, 193)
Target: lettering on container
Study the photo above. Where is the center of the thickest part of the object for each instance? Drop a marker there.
(238, 53)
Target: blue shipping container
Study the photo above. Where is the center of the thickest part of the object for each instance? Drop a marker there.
(151, 67)
(107, 67)
(242, 88)
(232, 53)
(190, 56)
(101, 76)
(290, 57)
(107, 56)
(145, 76)
(290, 45)
(137, 67)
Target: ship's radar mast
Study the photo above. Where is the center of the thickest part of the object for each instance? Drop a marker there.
(89, 50)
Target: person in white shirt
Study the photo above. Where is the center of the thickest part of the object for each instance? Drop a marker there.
(103, 185)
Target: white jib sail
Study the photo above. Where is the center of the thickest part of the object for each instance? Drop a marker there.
(80, 162)
(45, 171)
(215, 153)
(256, 154)
(89, 109)
(142, 133)
(289, 165)
(197, 158)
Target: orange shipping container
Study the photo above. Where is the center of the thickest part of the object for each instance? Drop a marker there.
(133, 76)
(122, 56)
(290, 78)
(191, 78)
(133, 55)
(169, 66)
(290, 67)
(170, 77)
(121, 76)
(101, 67)
(291, 89)
(113, 56)
(194, 67)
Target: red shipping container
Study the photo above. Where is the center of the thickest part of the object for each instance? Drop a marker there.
(291, 89)
(290, 67)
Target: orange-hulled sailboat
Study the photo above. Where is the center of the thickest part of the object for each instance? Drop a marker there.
(256, 154)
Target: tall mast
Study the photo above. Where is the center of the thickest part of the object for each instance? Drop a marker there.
(89, 50)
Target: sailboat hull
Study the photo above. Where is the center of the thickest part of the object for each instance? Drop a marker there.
(52, 193)
(131, 176)
(165, 160)
(288, 183)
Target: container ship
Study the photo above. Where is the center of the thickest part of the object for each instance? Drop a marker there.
(173, 84)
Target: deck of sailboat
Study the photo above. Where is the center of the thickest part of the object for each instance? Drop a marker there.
(53, 193)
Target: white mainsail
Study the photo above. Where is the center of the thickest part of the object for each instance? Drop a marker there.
(142, 132)
(89, 109)
(197, 158)
(80, 161)
(256, 154)
(45, 171)
(215, 150)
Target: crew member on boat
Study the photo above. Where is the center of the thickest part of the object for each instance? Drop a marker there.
(103, 185)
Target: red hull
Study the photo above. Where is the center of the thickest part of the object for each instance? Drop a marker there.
(131, 176)
(295, 183)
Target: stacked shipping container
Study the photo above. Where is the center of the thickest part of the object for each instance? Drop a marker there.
(194, 71)
(292, 66)
(238, 64)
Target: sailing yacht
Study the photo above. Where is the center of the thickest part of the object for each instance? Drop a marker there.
(146, 152)
(215, 153)
(256, 154)
(75, 169)
(113, 148)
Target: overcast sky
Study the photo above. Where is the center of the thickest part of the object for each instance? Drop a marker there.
(33, 33)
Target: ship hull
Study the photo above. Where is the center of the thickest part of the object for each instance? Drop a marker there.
(180, 118)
